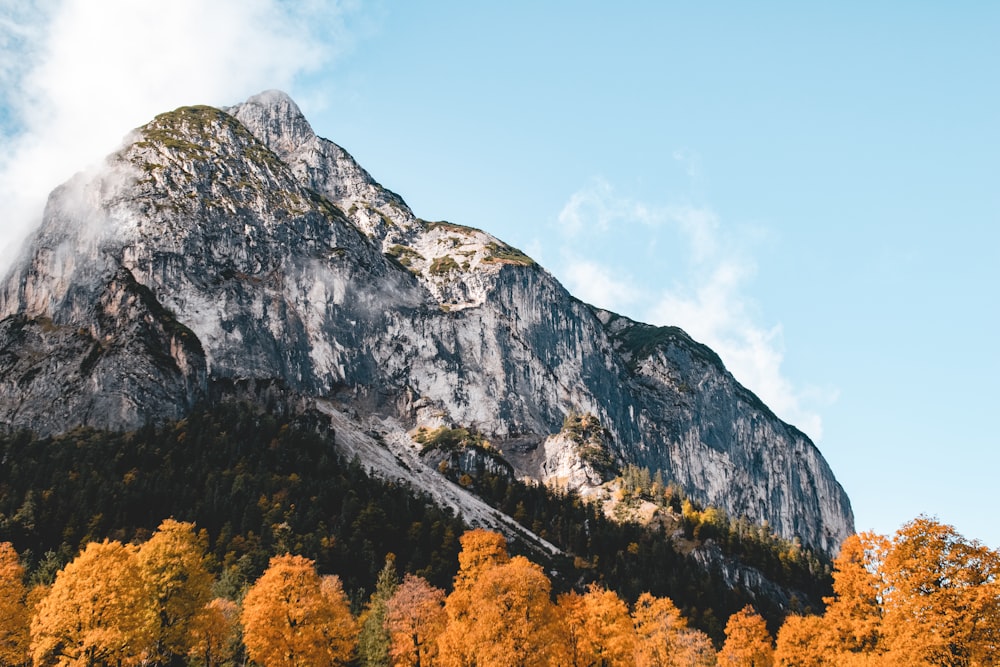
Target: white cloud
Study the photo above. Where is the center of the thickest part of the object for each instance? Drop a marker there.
(596, 283)
(706, 294)
(90, 71)
(596, 208)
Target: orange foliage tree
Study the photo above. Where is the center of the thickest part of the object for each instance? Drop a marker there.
(500, 611)
(748, 643)
(803, 641)
(292, 617)
(214, 633)
(663, 638)
(14, 616)
(926, 597)
(512, 620)
(598, 629)
(415, 616)
(178, 585)
(481, 550)
(854, 613)
(942, 604)
(95, 612)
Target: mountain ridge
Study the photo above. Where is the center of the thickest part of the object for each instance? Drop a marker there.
(237, 246)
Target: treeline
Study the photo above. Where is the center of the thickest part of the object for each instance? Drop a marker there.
(924, 597)
(263, 484)
(259, 484)
(631, 558)
(782, 560)
(153, 604)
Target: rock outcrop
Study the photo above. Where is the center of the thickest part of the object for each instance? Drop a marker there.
(235, 246)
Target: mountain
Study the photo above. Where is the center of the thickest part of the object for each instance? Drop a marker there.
(233, 252)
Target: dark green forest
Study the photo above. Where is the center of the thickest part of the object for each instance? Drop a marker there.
(261, 484)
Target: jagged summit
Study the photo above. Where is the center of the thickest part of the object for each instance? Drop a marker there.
(275, 119)
(234, 250)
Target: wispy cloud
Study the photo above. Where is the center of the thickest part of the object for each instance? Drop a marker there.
(704, 288)
(597, 283)
(77, 75)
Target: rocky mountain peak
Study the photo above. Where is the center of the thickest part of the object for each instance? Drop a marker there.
(235, 250)
(275, 119)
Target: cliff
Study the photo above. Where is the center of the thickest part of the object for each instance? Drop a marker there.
(235, 248)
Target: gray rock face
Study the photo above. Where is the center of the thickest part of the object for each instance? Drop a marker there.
(222, 246)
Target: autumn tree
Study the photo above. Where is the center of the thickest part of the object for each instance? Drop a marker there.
(415, 617)
(373, 640)
(214, 633)
(95, 612)
(748, 643)
(942, 604)
(500, 611)
(853, 617)
(694, 649)
(512, 618)
(14, 617)
(663, 638)
(481, 550)
(598, 627)
(803, 641)
(291, 617)
(178, 586)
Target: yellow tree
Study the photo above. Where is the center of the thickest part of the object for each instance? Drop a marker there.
(14, 617)
(748, 643)
(415, 616)
(942, 605)
(599, 628)
(803, 641)
(853, 619)
(663, 638)
(178, 586)
(95, 612)
(292, 618)
(214, 633)
(570, 607)
(514, 619)
(694, 649)
(481, 550)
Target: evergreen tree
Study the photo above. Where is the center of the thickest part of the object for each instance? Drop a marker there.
(374, 640)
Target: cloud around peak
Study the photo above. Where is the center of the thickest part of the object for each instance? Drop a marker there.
(78, 75)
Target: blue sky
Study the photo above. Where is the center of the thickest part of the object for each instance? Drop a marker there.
(810, 189)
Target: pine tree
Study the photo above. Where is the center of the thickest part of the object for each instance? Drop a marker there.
(374, 640)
